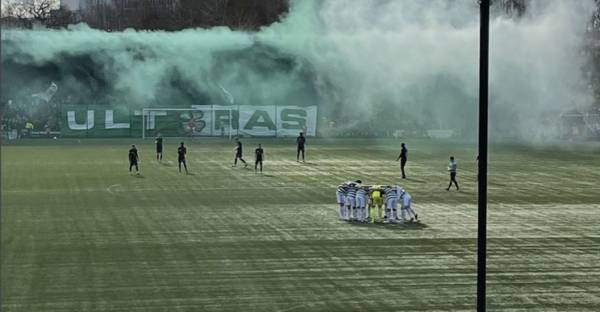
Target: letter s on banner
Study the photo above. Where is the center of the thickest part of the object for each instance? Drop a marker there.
(293, 119)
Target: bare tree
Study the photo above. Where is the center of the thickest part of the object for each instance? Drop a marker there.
(36, 10)
(592, 50)
(237, 14)
(7, 8)
(61, 17)
(13, 9)
(253, 14)
(168, 15)
(40, 10)
(512, 7)
(194, 13)
(594, 25)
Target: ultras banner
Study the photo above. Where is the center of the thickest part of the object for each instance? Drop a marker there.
(202, 120)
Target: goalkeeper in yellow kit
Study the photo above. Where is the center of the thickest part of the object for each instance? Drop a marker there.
(376, 203)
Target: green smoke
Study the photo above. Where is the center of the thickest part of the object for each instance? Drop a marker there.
(368, 64)
(143, 69)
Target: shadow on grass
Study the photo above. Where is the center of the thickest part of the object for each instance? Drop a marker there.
(415, 180)
(308, 163)
(408, 226)
(140, 176)
(464, 192)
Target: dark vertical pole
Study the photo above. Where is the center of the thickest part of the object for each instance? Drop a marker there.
(483, 147)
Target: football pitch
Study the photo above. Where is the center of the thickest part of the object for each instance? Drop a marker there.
(79, 233)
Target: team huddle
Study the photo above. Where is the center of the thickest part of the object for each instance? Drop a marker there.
(374, 203)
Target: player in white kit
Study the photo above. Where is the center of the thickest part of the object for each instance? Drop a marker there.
(351, 200)
(362, 199)
(391, 202)
(406, 209)
(340, 194)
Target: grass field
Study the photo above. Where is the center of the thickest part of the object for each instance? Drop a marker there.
(81, 234)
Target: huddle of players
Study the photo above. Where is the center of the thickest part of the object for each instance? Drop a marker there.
(364, 203)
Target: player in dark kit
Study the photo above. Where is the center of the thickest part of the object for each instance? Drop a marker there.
(133, 159)
(159, 147)
(259, 156)
(181, 153)
(238, 153)
(403, 157)
(300, 141)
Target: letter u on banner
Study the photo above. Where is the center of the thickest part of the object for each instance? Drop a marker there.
(72, 121)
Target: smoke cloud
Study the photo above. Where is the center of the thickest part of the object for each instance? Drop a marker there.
(368, 64)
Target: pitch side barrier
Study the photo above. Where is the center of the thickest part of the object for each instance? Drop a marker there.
(197, 121)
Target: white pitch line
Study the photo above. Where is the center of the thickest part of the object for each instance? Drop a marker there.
(109, 189)
(158, 189)
(222, 188)
(296, 307)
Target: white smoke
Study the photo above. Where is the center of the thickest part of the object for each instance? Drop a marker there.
(421, 58)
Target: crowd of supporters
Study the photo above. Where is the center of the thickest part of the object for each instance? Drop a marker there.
(21, 121)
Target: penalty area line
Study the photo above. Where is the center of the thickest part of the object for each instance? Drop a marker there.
(109, 189)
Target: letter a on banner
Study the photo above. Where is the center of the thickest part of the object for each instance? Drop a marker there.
(257, 120)
(260, 118)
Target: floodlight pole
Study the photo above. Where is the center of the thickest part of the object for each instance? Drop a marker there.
(483, 149)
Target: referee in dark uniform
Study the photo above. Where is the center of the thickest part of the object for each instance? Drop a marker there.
(300, 141)
(259, 157)
(181, 154)
(133, 159)
(159, 147)
(403, 157)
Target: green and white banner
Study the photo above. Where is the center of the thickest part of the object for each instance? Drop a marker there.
(201, 120)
